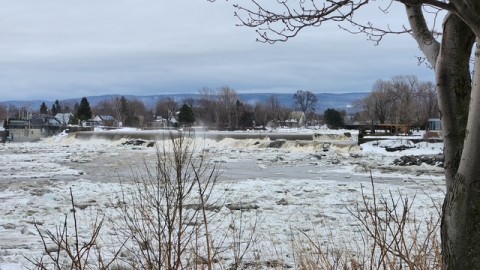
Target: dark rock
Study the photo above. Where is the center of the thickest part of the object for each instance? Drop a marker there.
(134, 142)
(398, 148)
(435, 160)
(277, 143)
(151, 144)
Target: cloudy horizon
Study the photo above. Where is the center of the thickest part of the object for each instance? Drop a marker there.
(67, 49)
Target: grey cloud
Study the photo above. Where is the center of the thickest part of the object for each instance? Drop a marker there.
(58, 49)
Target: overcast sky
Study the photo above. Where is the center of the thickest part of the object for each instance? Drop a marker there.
(56, 49)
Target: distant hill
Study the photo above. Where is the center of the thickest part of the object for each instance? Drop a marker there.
(343, 101)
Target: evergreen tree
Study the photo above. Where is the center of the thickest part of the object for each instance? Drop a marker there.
(58, 107)
(53, 110)
(43, 108)
(84, 112)
(333, 118)
(127, 117)
(186, 116)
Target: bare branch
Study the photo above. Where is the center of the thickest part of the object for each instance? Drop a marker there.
(373, 33)
(424, 36)
(287, 18)
(286, 23)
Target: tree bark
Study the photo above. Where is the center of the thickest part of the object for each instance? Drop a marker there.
(454, 86)
(469, 11)
(422, 34)
(461, 210)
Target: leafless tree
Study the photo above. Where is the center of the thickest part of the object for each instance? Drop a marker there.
(138, 113)
(166, 108)
(403, 100)
(105, 107)
(192, 103)
(274, 107)
(427, 103)
(166, 213)
(227, 98)
(262, 114)
(305, 101)
(117, 111)
(284, 114)
(459, 95)
(402, 93)
(208, 113)
(380, 100)
(3, 112)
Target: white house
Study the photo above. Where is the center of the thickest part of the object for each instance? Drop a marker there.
(64, 118)
(104, 120)
(296, 119)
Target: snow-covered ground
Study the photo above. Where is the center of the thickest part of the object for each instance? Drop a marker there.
(296, 187)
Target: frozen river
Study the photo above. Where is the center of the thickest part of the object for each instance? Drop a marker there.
(316, 187)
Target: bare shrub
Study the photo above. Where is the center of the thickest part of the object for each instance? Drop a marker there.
(391, 237)
(70, 250)
(165, 215)
(394, 236)
(242, 235)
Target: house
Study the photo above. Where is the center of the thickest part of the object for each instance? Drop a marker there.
(159, 122)
(105, 120)
(32, 129)
(64, 118)
(90, 123)
(296, 119)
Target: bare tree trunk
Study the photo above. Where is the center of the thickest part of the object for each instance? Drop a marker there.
(461, 210)
(460, 232)
(454, 87)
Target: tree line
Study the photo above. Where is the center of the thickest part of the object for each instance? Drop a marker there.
(400, 100)
(220, 108)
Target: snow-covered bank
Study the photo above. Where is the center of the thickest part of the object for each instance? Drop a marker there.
(296, 185)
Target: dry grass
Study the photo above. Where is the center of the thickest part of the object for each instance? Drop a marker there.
(391, 238)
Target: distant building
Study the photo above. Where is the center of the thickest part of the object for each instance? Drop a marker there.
(434, 130)
(296, 119)
(90, 123)
(105, 120)
(159, 122)
(64, 118)
(32, 129)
